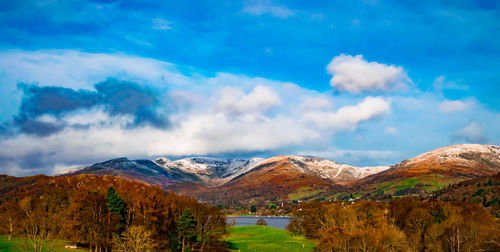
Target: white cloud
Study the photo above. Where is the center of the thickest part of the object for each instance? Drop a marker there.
(453, 106)
(258, 8)
(315, 103)
(356, 75)
(198, 134)
(266, 119)
(472, 133)
(348, 117)
(233, 99)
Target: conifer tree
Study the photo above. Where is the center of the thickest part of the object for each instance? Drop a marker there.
(186, 228)
(116, 205)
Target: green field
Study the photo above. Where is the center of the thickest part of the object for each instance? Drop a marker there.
(304, 192)
(262, 238)
(428, 183)
(17, 244)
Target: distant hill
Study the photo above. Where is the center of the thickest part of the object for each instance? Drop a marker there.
(141, 170)
(432, 171)
(298, 178)
(208, 178)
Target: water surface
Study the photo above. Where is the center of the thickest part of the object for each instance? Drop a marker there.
(272, 221)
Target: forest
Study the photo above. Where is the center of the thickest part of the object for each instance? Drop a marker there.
(404, 224)
(106, 214)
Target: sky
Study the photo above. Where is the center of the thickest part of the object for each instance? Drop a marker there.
(360, 82)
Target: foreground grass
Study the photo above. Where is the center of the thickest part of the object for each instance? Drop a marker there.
(18, 244)
(262, 238)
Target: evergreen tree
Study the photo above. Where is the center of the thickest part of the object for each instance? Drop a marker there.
(186, 228)
(253, 209)
(116, 205)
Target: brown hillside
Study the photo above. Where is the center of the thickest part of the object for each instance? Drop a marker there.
(273, 180)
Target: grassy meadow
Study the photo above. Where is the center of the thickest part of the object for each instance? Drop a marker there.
(266, 239)
(17, 244)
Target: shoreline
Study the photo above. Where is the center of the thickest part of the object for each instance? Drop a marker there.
(265, 216)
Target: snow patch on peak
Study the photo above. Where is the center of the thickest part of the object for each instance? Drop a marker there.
(208, 169)
(455, 152)
(69, 171)
(327, 169)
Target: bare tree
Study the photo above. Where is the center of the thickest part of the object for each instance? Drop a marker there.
(39, 222)
(135, 238)
(9, 211)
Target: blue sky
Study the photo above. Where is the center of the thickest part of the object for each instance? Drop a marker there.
(362, 82)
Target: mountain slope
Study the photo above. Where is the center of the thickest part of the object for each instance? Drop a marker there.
(294, 178)
(327, 169)
(164, 172)
(143, 170)
(286, 178)
(433, 170)
(483, 190)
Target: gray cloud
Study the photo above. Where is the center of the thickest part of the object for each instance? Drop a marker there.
(116, 97)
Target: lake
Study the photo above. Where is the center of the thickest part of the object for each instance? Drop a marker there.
(272, 221)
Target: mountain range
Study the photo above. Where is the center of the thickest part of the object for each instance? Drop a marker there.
(297, 178)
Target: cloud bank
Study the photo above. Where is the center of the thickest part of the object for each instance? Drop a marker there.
(226, 113)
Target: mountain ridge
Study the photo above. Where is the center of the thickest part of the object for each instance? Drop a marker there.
(293, 177)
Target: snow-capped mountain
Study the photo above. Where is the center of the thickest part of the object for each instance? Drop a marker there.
(286, 177)
(207, 169)
(144, 170)
(434, 170)
(328, 169)
(215, 171)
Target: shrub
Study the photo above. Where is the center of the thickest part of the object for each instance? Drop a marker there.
(261, 222)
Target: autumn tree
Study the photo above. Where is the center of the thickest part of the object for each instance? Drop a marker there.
(84, 209)
(10, 213)
(210, 225)
(309, 219)
(89, 212)
(416, 227)
(41, 218)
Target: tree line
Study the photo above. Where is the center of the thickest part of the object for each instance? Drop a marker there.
(404, 224)
(107, 214)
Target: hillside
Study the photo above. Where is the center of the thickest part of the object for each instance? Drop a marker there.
(432, 171)
(275, 180)
(281, 178)
(296, 178)
(140, 170)
(484, 191)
